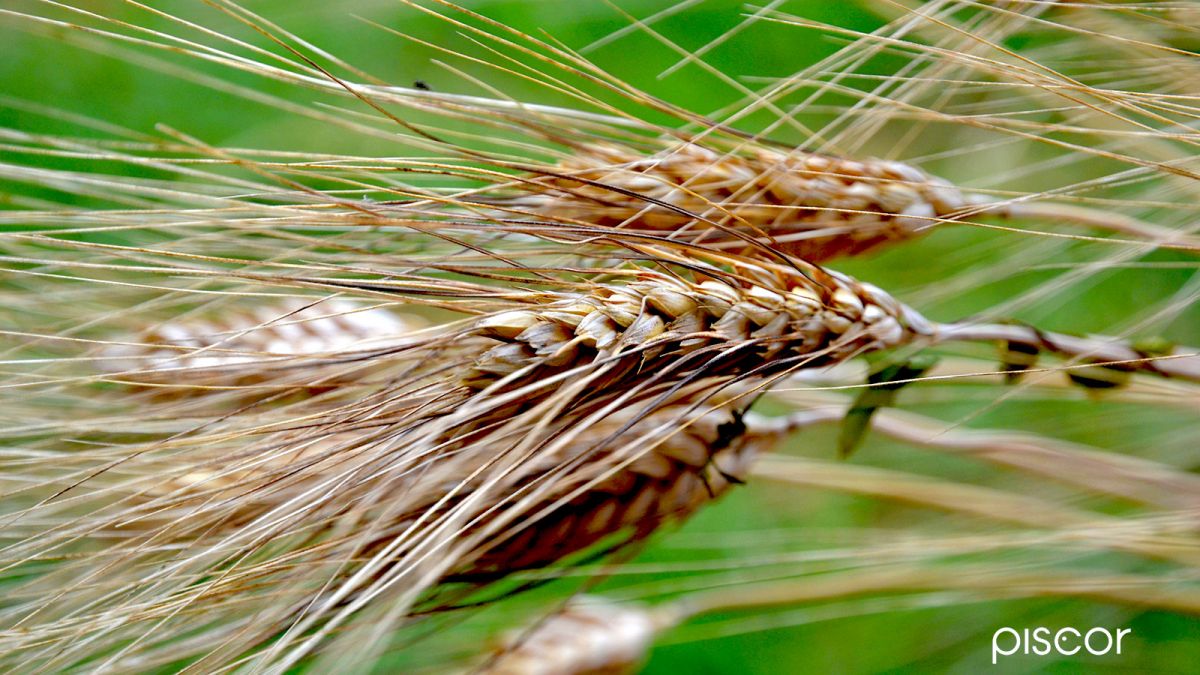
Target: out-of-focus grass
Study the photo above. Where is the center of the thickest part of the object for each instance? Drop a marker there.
(954, 638)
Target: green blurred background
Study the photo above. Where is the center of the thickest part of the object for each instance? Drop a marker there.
(760, 520)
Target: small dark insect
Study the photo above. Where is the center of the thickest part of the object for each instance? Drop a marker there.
(880, 393)
(1017, 358)
(421, 84)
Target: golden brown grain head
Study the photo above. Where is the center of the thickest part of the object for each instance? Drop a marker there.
(809, 205)
(590, 636)
(669, 367)
(631, 474)
(243, 347)
(794, 318)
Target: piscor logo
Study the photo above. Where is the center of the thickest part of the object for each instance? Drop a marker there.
(1067, 641)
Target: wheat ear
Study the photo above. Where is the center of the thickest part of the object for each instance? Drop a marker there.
(589, 636)
(813, 206)
(244, 347)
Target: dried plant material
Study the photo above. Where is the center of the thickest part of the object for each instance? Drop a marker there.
(506, 441)
(590, 636)
(1086, 353)
(270, 331)
(627, 473)
(984, 579)
(780, 317)
(593, 635)
(1083, 466)
(246, 347)
(1167, 540)
(634, 476)
(559, 419)
(621, 281)
(812, 206)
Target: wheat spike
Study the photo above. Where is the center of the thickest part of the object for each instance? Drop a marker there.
(631, 473)
(646, 334)
(243, 346)
(809, 205)
(590, 636)
(632, 468)
(658, 469)
(792, 316)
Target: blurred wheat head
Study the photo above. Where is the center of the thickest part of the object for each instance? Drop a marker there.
(352, 408)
